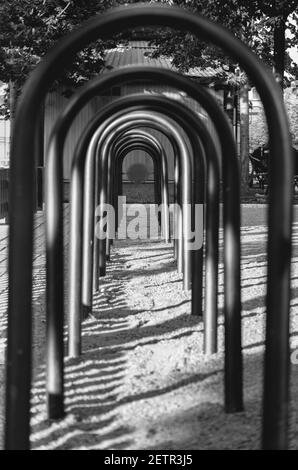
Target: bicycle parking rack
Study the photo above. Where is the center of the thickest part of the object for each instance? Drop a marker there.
(233, 366)
(163, 186)
(21, 203)
(212, 199)
(161, 177)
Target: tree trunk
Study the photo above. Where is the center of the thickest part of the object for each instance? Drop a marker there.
(244, 137)
(12, 104)
(279, 37)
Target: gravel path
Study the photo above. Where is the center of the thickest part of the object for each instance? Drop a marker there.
(143, 382)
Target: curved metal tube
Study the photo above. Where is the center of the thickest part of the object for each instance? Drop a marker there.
(161, 176)
(164, 163)
(88, 224)
(187, 117)
(76, 228)
(160, 168)
(120, 155)
(134, 134)
(233, 355)
(77, 309)
(164, 180)
(90, 135)
(116, 183)
(77, 259)
(21, 204)
(212, 215)
(103, 139)
(224, 131)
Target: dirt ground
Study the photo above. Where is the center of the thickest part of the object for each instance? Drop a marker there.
(143, 381)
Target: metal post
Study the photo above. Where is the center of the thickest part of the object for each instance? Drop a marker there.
(186, 178)
(163, 181)
(158, 176)
(103, 190)
(76, 313)
(183, 84)
(174, 112)
(193, 90)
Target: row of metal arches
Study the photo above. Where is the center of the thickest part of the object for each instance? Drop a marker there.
(95, 179)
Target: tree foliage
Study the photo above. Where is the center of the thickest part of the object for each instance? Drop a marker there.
(253, 21)
(29, 28)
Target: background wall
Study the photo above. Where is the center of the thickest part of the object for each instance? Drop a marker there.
(55, 102)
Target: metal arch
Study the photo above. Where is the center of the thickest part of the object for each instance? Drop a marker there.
(164, 180)
(86, 151)
(194, 130)
(200, 183)
(120, 155)
(176, 158)
(116, 183)
(160, 177)
(103, 139)
(232, 267)
(21, 203)
(57, 372)
(212, 251)
(75, 192)
(176, 161)
(136, 143)
(76, 310)
(164, 167)
(198, 164)
(89, 204)
(135, 134)
(89, 234)
(84, 141)
(55, 297)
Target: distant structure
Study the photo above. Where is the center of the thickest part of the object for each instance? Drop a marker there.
(129, 53)
(4, 133)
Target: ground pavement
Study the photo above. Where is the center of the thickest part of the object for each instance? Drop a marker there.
(142, 381)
